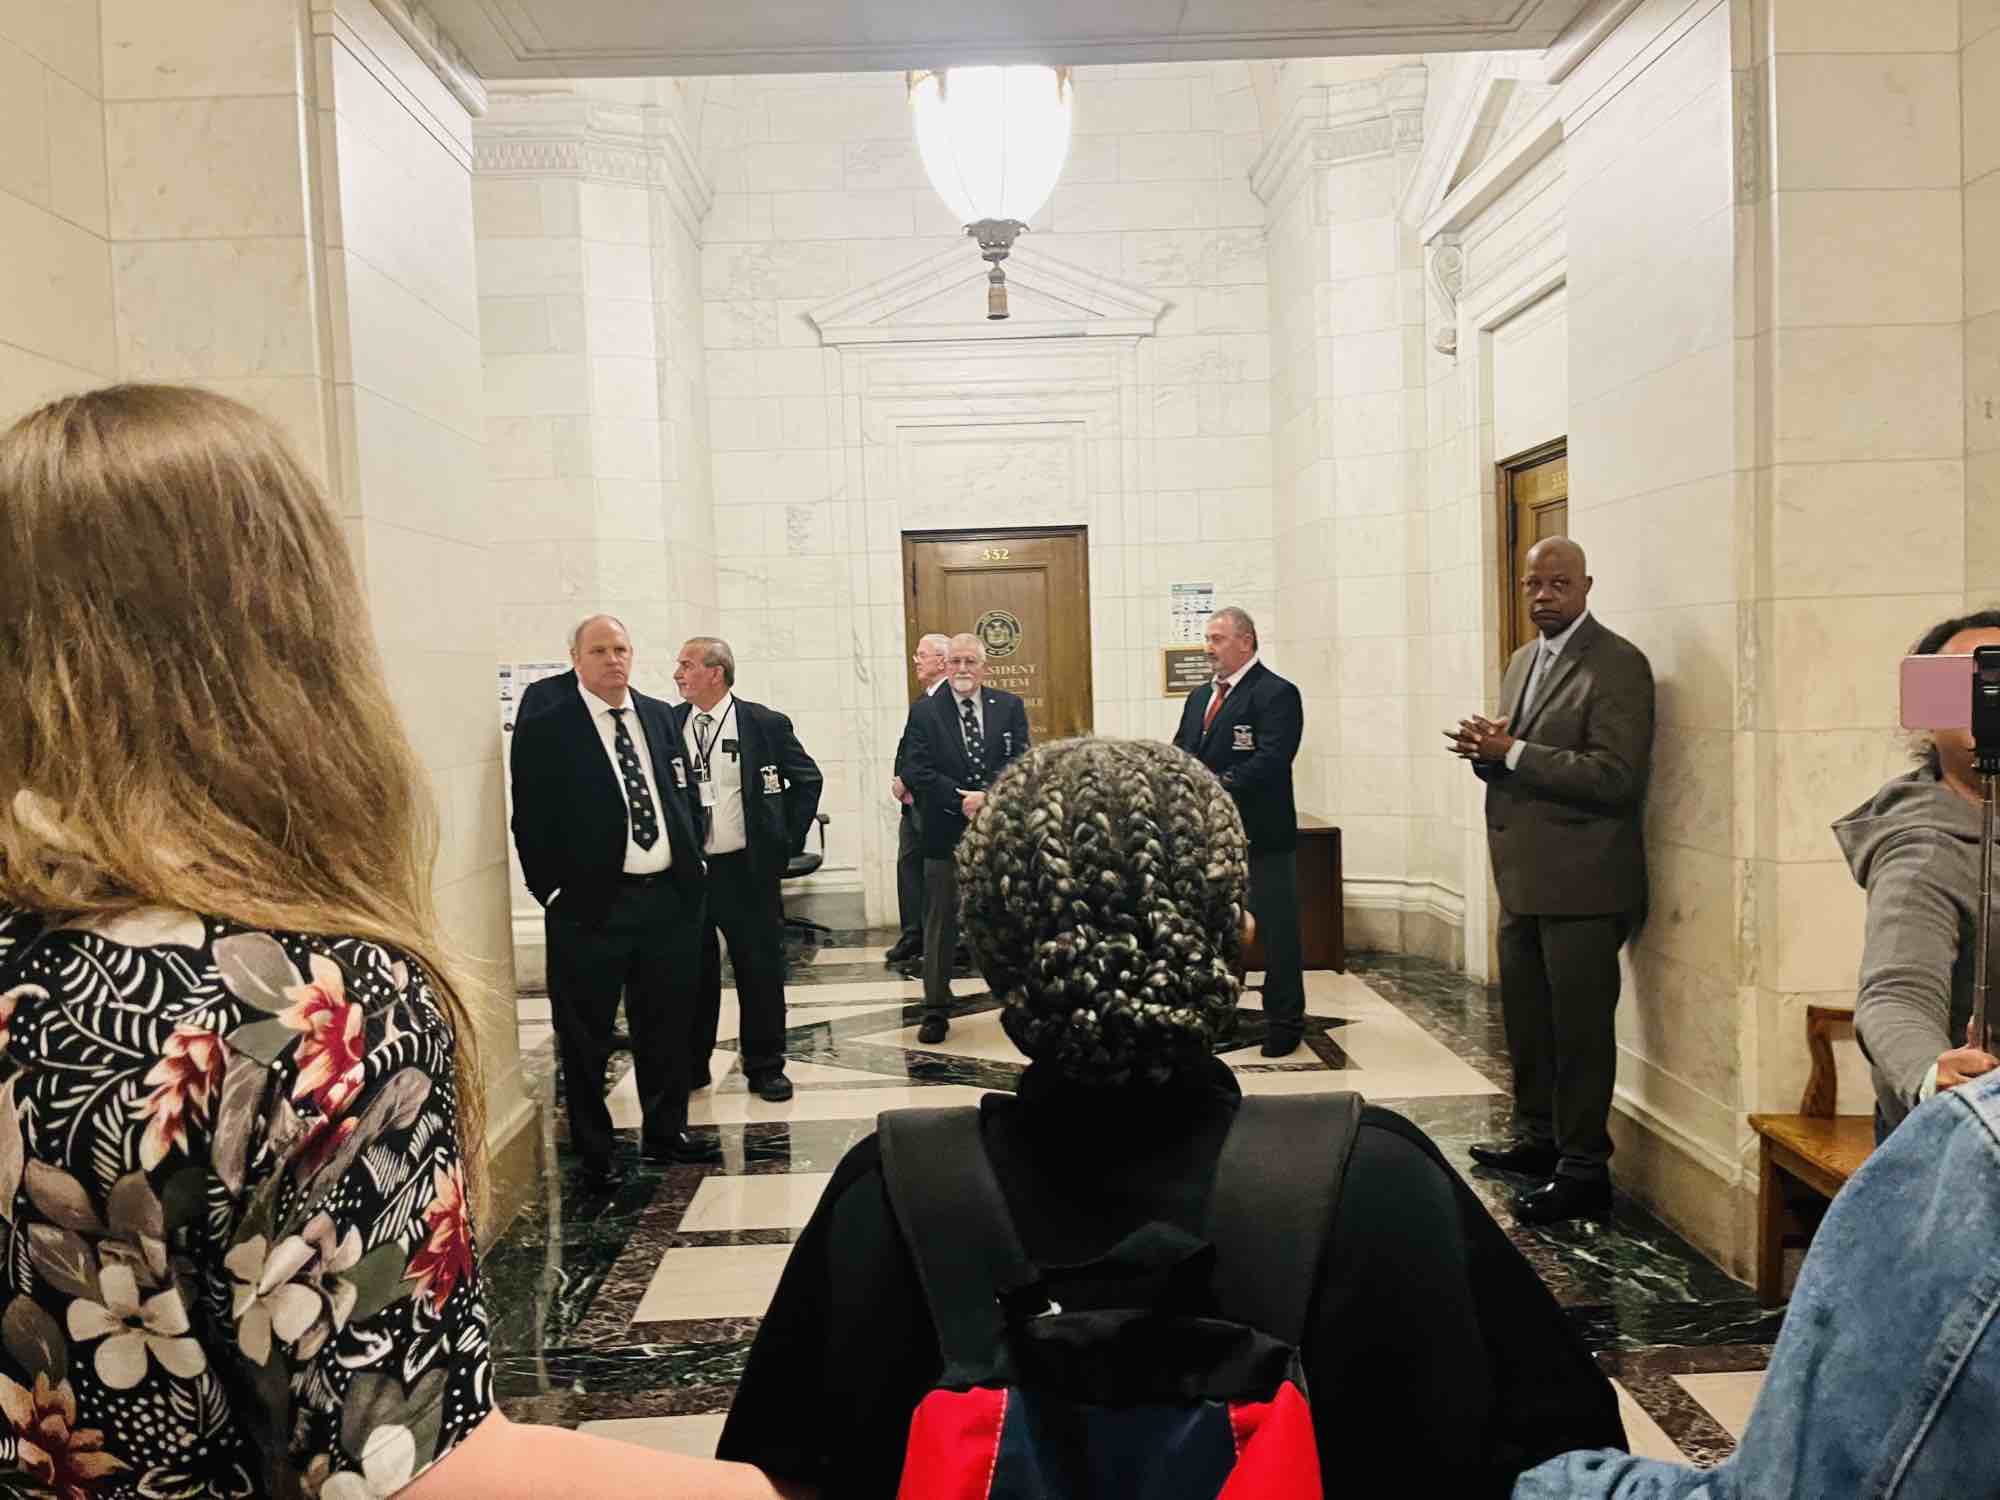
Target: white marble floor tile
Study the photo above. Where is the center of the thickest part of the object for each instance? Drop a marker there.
(534, 1033)
(730, 1084)
(765, 1201)
(977, 1036)
(718, 1281)
(1726, 1396)
(1642, 1434)
(532, 1008)
(849, 955)
(694, 1436)
(826, 1104)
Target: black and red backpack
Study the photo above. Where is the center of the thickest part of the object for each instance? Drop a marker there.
(1172, 1373)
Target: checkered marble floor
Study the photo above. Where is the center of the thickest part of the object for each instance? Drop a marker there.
(629, 1313)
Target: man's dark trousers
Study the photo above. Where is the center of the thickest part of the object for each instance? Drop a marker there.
(639, 948)
(910, 874)
(1274, 902)
(940, 933)
(1560, 977)
(747, 910)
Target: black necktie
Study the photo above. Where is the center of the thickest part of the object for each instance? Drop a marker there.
(975, 742)
(645, 818)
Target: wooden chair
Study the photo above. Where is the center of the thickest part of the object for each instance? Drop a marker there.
(1814, 1148)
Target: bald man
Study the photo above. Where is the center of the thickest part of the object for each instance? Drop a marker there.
(1565, 772)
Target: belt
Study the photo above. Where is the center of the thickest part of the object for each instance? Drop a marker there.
(653, 879)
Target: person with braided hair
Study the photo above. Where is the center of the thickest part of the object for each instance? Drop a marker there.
(1103, 886)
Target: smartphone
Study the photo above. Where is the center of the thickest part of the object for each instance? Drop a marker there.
(1937, 692)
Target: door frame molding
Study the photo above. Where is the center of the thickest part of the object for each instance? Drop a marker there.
(994, 534)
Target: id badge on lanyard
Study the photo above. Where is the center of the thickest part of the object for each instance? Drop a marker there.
(704, 766)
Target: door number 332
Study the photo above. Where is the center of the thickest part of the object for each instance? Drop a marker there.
(996, 554)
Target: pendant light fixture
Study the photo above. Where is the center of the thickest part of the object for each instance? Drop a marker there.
(993, 141)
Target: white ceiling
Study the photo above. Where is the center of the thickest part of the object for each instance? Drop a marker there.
(629, 38)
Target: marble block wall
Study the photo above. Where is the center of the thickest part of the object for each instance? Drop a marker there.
(57, 324)
(1979, 86)
(823, 220)
(1348, 373)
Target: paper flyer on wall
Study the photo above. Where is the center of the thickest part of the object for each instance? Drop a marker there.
(514, 679)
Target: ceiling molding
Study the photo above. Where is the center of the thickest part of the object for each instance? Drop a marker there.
(543, 131)
(437, 51)
(1104, 307)
(1511, 160)
(1335, 123)
(598, 38)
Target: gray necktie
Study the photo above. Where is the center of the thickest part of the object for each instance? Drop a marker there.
(1544, 664)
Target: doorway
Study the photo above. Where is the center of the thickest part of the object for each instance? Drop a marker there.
(1026, 594)
(1534, 503)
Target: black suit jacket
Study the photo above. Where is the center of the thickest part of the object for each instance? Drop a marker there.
(936, 768)
(776, 817)
(544, 693)
(1251, 746)
(569, 814)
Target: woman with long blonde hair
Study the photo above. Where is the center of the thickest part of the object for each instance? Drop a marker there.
(241, 1108)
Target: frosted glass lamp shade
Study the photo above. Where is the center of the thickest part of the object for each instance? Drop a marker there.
(993, 139)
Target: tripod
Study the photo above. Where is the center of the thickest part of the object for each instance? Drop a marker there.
(1985, 761)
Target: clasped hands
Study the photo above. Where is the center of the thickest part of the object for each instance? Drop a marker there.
(1481, 739)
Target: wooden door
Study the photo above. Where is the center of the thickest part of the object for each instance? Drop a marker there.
(1534, 503)
(1027, 595)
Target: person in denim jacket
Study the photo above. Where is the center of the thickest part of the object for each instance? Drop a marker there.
(1885, 1384)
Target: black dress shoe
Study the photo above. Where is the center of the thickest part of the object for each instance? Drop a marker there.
(700, 1080)
(935, 1029)
(1563, 1198)
(1517, 1156)
(594, 1176)
(773, 1088)
(903, 952)
(685, 1150)
(912, 968)
(1280, 1044)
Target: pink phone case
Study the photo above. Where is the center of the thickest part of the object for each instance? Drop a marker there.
(1937, 692)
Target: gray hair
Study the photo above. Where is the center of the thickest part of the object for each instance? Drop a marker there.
(715, 652)
(937, 640)
(576, 633)
(1240, 618)
(966, 635)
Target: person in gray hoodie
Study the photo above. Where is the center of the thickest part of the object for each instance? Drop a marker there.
(1914, 847)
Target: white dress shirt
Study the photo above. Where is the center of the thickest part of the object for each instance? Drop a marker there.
(1237, 676)
(727, 833)
(1549, 650)
(637, 861)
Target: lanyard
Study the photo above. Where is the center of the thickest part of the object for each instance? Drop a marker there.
(703, 755)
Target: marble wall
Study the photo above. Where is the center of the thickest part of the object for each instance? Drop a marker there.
(57, 325)
(1348, 377)
(1979, 39)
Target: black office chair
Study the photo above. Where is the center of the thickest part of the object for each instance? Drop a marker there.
(804, 863)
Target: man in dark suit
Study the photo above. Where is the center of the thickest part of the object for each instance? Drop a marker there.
(957, 740)
(604, 823)
(928, 660)
(1245, 726)
(1565, 773)
(756, 793)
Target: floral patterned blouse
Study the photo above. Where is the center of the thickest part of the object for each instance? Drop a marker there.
(236, 1254)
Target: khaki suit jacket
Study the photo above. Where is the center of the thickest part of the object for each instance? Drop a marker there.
(1565, 827)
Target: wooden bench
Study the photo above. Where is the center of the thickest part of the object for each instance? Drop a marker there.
(1814, 1148)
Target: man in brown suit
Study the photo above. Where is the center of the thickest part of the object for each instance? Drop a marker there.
(1565, 775)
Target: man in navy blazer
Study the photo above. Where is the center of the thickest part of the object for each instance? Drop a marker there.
(605, 826)
(1245, 726)
(757, 793)
(956, 741)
